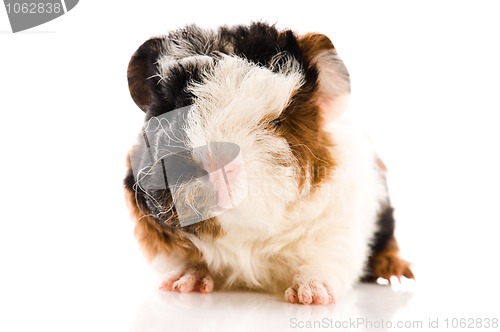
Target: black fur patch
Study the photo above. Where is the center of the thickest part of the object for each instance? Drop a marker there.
(258, 43)
(385, 232)
(172, 89)
(386, 225)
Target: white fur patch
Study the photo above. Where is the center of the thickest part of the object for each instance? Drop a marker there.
(237, 95)
(165, 63)
(192, 41)
(323, 237)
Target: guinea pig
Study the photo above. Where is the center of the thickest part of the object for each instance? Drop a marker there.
(247, 174)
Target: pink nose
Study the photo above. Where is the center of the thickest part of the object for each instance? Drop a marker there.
(223, 179)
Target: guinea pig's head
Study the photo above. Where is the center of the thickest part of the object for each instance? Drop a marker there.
(235, 121)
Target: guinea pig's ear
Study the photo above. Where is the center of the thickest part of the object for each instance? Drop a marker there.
(334, 86)
(142, 73)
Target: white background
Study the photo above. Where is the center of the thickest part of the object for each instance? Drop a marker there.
(425, 84)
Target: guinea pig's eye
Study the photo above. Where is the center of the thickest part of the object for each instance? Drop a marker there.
(276, 123)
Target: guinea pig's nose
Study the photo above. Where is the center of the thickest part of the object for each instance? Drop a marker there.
(223, 178)
(223, 164)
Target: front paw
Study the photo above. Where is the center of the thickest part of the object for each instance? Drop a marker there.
(191, 280)
(310, 291)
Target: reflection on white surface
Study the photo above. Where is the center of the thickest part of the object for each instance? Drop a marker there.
(247, 311)
(433, 303)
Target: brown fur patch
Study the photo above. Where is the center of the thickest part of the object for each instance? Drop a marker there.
(312, 44)
(332, 94)
(303, 124)
(156, 238)
(387, 263)
(310, 144)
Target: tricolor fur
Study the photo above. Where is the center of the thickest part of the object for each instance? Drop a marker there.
(315, 217)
